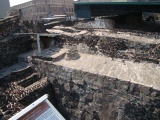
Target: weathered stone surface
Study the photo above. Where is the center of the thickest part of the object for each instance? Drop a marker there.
(21, 88)
(97, 23)
(72, 53)
(122, 48)
(10, 48)
(118, 78)
(85, 95)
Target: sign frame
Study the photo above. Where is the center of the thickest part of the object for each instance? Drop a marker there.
(26, 110)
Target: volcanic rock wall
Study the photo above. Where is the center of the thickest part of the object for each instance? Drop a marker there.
(82, 95)
(10, 48)
(113, 47)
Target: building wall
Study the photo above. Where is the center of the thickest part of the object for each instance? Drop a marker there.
(118, 0)
(4, 7)
(36, 9)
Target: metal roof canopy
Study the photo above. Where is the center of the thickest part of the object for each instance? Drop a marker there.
(117, 3)
(92, 9)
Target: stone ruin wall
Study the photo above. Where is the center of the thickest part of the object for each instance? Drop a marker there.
(113, 47)
(81, 95)
(10, 48)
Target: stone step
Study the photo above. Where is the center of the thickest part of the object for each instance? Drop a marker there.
(28, 80)
(36, 91)
(15, 72)
(29, 89)
(51, 54)
(19, 92)
(37, 85)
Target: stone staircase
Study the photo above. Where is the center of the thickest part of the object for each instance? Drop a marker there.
(19, 89)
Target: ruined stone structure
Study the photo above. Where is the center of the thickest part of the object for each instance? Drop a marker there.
(20, 89)
(91, 74)
(72, 53)
(83, 94)
(15, 24)
(10, 48)
(95, 87)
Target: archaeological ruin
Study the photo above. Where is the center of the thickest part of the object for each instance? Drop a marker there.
(90, 72)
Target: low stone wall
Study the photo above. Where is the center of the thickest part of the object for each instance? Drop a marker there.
(82, 95)
(10, 48)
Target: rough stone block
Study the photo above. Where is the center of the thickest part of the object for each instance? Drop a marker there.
(51, 79)
(67, 87)
(63, 101)
(89, 78)
(122, 86)
(97, 96)
(57, 90)
(76, 74)
(108, 83)
(144, 91)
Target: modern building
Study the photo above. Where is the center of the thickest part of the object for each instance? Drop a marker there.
(37, 9)
(4, 7)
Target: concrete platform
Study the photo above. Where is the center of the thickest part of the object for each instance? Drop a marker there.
(146, 74)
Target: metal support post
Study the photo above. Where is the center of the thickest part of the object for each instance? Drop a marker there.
(38, 43)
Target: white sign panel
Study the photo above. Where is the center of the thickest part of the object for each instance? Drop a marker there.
(41, 109)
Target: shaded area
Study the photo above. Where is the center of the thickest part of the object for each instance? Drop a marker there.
(10, 48)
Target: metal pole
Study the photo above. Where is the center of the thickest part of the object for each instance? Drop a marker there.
(64, 7)
(38, 44)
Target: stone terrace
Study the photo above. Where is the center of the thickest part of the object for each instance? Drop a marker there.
(139, 73)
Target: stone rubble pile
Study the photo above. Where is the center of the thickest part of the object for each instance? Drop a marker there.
(84, 25)
(7, 25)
(90, 27)
(155, 35)
(114, 48)
(97, 23)
(10, 48)
(34, 26)
(72, 53)
(14, 24)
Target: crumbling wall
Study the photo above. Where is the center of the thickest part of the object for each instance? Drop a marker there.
(97, 23)
(10, 48)
(113, 47)
(82, 95)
